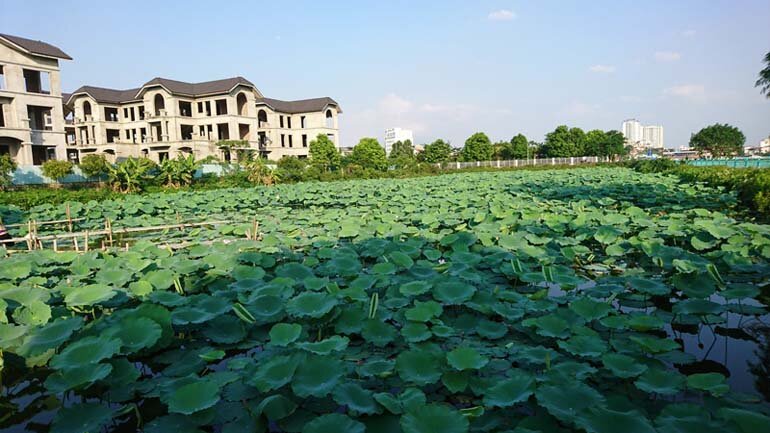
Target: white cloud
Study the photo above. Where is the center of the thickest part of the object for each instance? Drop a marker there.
(689, 33)
(393, 104)
(667, 56)
(502, 15)
(602, 69)
(689, 91)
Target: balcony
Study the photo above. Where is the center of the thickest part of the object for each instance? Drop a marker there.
(264, 125)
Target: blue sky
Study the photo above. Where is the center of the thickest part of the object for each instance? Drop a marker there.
(443, 68)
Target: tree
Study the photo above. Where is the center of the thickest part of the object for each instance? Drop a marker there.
(324, 154)
(56, 170)
(130, 175)
(764, 77)
(369, 154)
(501, 150)
(614, 144)
(291, 169)
(436, 152)
(180, 171)
(477, 148)
(595, 142)
(402, 154)
(7, 167)
(93, 165)
(519, 147)
(564, 142)
(719, 140)
(258, 172)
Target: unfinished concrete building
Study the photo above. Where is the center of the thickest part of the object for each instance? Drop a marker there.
(31, 112)
(165, 118)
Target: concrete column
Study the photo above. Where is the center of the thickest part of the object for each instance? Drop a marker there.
(25, 154)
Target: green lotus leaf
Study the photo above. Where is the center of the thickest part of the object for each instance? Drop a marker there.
(88, 350)
(160, 279)
(401, 260)
(549, 326)
(276, 407)
(589, 309)
(489, 329)
(136, 333)
(644, 322)
(602, 420)
(698, 307)
(415, 288)
(274, 372)
(566, 401)
(76, 377)
(212, 355)
(378, 332)
(455, 381)
(453, 292)
(384, 268)
(623, 366)
(334, 343)
(415, 332)
(466, 358)
(16, 271)
(747, 421)
(695, 285)
(423, 311)
(583, 345)
(648, 287)
(115, 277)
(295, 271)
(193, 397)
(376, 367)
(516, 388)
(88, 295)
(310, 304)
(317, 376)
(418, 366)
(650, 344)
(711, 382)
(82, 417)
(658, 381)
(333, 422)
(434, 418)
(355, 397)
(50, 336)
(740, 291)
(32, 314)
(226, 329)
(607, 235)
(281, 334)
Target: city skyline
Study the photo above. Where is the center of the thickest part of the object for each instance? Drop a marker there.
(449, 69)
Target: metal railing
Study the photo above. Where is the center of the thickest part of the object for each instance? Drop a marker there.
(732, 162)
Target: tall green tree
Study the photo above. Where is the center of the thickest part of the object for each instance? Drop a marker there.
(764, 77)
(719, 140)
(56, 170)
(369, 154)
(519, 147)
(324, 154)
(595, 142)
(436, 152)
(94, 165)
(564, 142)
(402, 150)
(7, 167)
(614, 144)
(501, 150)
(477, 148)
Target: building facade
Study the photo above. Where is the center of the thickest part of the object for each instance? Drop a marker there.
(166, 118)
(632, 131)
(31, 111)
(652, 136)
(392, 135)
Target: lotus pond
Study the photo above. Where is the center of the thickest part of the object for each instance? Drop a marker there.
(597, 300)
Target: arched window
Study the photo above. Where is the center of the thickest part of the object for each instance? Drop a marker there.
(262, 118)
(329, 119)
(86, 108)
(242, 106)
(160, 103)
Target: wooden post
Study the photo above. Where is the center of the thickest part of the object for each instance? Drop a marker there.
(75, 241)
(55, 246)
(69, 218)
(109, 230)
(85, 242)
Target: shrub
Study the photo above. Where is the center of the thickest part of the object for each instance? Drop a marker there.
(7, 167)
(179, 172)
(130, 175)
(94, 166)
(368, 154)
(258, 172)
(56, 170)
(291, 169)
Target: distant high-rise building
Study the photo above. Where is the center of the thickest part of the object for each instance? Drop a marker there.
(393, 135)
(632, 130)
(652, 136)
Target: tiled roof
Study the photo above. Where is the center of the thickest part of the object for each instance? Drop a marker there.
(300, 106)
(36, 47)
(108, 96)
(198, 89)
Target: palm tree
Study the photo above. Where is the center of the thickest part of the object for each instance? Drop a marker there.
(764, 78)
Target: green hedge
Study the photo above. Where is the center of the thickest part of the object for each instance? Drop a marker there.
(752, 185)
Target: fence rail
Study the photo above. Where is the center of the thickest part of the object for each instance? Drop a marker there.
(523, 162)
(732, 162)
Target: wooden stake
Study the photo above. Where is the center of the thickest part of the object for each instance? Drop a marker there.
(69, 218)
(85, 241)
(75, 241)
(55, 246)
